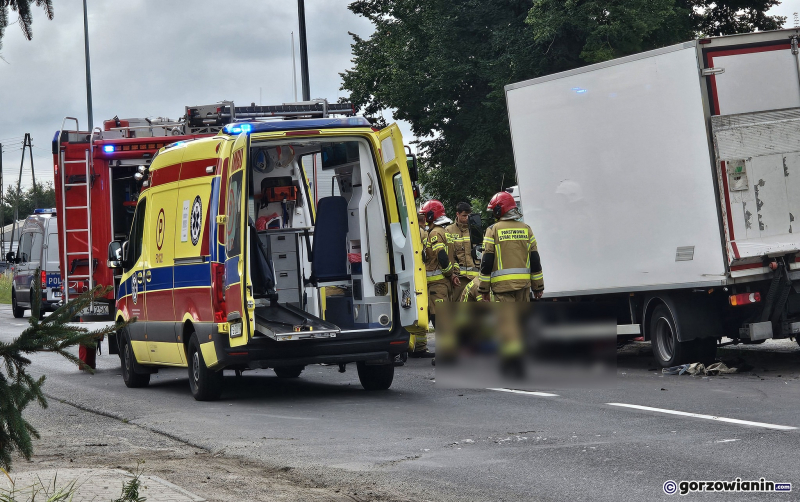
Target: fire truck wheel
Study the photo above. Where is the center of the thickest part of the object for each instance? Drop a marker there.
(375, 377)
(206, 384)
(289, 371)
(132, 379)
(18, 311)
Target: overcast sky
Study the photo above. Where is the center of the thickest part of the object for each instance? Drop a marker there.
(151, 58)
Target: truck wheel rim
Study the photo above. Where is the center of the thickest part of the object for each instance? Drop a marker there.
(196, 367)
(664, 339)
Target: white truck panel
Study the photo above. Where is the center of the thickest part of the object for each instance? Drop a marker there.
(614, 170)
(757, 81)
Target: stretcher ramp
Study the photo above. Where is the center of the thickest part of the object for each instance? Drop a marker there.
(285, 323)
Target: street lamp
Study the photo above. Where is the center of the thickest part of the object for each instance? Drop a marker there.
(88, 71)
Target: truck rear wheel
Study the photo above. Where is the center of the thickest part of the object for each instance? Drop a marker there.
(375, 377)
(132, 379)
(667, 349)
(288, 371)
(18, 311)
(206, 384)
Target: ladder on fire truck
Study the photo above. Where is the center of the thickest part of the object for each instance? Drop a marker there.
(73, 259)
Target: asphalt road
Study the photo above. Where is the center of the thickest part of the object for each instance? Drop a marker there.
(419, 441)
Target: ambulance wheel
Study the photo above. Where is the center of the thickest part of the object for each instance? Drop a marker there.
(375, 377)
(206, 384)
(667, 349)
(132, 379)
(289, 371)
(18, 311)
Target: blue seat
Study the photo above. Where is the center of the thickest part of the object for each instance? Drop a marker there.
(329, 251)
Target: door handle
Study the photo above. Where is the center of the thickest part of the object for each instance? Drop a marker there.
(148, 276)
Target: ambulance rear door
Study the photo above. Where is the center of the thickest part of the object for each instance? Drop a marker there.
(237, 281)
(407, 252)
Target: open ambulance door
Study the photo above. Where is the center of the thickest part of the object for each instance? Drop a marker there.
(410, 286)
(237, 298)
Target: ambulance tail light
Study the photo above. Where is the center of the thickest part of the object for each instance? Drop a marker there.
(218, 291)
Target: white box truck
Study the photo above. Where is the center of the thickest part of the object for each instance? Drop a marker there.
(668, 182)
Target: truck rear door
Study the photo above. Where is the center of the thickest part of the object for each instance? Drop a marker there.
(754, 101)
(410, 286)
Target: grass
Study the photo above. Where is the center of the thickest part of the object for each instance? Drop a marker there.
(5, 288)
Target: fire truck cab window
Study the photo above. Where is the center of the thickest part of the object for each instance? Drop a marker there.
(137, 233)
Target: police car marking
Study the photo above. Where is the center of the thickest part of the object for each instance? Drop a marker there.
(197, 219)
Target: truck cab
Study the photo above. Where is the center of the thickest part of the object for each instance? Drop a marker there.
(238, 259)
(37, 252)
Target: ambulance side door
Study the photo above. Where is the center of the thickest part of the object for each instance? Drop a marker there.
(410, 286)
(135, 264)
(236, 238)
(158, 275)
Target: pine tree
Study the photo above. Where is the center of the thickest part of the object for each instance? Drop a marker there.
(17, 387)
(23, 7)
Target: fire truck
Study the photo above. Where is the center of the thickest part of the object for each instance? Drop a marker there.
(98, 179)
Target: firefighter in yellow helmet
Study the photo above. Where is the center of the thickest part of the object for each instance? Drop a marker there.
(459, 240)
(510, 266)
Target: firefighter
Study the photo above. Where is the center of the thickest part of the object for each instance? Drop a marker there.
(441, 271)
(510, 267)
(458, 237)
(471, 292)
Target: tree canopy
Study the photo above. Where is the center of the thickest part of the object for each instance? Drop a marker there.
(442, 65)
(25, 11)
(40, 196)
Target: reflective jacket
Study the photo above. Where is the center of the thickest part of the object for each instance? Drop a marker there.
(510, 258)
(458, 237)
(438, 256)
(471, 292)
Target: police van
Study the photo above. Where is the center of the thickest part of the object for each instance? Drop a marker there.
(233, 263)
(37, 250)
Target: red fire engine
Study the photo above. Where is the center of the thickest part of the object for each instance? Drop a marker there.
(97, 186)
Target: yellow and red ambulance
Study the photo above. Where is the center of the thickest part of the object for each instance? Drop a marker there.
(233, 263)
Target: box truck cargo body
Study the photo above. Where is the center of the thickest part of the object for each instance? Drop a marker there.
(669, 182)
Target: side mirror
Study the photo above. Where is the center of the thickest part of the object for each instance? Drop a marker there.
(114, 254)
(411, 162)
(475, 229)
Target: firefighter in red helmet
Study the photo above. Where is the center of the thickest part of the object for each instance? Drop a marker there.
(510, 266)
(440, 267)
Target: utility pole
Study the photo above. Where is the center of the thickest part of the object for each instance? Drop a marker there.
(301, 14)
(27, 143)
(88, 71)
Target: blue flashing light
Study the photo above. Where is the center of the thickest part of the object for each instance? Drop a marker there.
(45, 211)
(295, 125)
(108, 148)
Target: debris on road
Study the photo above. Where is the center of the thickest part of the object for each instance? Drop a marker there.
(695, 369)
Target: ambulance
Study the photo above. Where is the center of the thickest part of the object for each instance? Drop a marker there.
(232, 263)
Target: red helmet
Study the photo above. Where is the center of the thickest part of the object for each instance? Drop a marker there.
(433, 210)
(501, 203)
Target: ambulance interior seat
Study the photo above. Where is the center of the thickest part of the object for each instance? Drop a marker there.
(262, 272)
(329, 249)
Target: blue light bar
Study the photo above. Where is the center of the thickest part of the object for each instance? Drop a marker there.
(108, 148)
(294, 125)
(45, 211)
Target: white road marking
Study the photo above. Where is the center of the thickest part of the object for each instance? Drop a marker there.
(727, 440)
(528, 392)
(706, 417)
